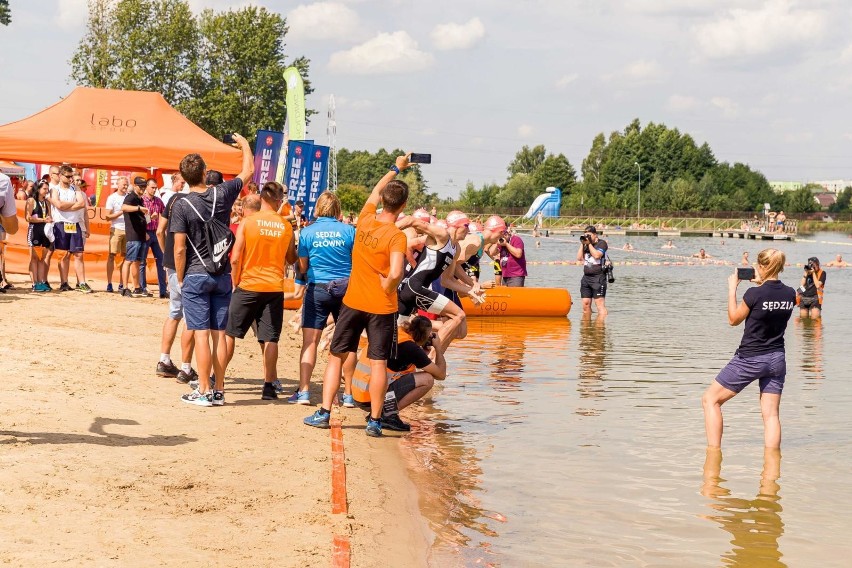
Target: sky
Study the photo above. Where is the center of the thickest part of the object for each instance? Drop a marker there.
(764, 82)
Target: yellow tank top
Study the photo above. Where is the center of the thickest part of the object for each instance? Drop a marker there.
(267, 238)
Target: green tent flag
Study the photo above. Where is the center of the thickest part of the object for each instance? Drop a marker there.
(295, 104)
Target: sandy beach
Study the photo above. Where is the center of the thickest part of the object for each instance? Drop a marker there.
(102, 464)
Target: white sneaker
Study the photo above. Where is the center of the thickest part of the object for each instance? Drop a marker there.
(197, 398)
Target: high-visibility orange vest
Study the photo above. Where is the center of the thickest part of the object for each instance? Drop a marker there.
(361, 377)
(817, 277)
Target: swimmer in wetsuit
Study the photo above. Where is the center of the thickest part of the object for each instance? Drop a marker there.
(474, 245)
(438, 260)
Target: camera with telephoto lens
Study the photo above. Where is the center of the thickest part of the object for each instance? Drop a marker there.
(610, 277)
(584, 239)
(809, 267)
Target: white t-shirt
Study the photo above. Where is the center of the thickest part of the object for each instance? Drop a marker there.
(67, 196)
(7, 197)
(113, 205)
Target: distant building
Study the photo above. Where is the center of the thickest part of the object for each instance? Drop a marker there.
(829, 186)
(783, 186)
(834, 185)
(826, 199)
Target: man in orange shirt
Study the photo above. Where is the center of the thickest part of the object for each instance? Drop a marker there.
(263, 247)
(370, 302)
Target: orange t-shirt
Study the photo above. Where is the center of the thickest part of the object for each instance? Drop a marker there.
(374, 243)
(267, 238)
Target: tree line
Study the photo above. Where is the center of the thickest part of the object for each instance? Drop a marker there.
(222, 70)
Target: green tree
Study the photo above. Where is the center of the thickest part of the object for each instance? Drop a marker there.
(842, 205)
(142, 45)
(519, 191)
(240, 86)
(486, 196)
(684, 195)
(93, 63)
(555, 171)
(800, 201)
(527, 160)
(5, 13)
(591, 166)
(352, 197)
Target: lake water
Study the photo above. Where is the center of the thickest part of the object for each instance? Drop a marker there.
(562, 442)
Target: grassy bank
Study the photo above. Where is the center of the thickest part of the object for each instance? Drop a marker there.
(818, 226)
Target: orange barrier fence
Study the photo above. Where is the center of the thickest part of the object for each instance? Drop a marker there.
(95, 256)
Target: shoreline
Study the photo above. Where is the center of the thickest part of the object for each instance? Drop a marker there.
(100, 460)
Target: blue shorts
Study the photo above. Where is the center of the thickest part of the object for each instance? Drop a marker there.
(318, 305)
(769, 368)
(135, 252)
(70, 241)
(175, 301)
(205, 300)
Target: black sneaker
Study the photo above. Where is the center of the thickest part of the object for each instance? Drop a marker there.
(394, 422)
(269, 392)
(167, 370)
(126, 293)
(138, 293)
(65, 287)
(185, 378)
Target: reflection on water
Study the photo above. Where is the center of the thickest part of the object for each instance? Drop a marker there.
(810, 334)
(557, 443)
(593, 349)
(755, 524)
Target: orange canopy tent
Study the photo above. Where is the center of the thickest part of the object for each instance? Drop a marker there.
(113, 129)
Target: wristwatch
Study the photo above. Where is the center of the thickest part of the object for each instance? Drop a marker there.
(394, 168)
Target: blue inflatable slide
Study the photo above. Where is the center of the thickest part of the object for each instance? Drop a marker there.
(548, 203)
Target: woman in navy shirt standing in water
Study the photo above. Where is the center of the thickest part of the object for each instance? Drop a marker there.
(766, 309)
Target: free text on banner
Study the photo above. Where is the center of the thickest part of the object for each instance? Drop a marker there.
(267, 149)
(299, 154)
(319, 178)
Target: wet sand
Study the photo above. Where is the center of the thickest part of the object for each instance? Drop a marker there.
(101, 463)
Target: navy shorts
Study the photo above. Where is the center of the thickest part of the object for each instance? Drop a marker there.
(768, 368)
(72, 241)
(135, 252)
(205, 300)
(318, 305)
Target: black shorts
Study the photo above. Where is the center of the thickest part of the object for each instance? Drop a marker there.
(808, 302)
(381, 333)
(264, 308)
(593, 286)
(402, 386)
(413, 298)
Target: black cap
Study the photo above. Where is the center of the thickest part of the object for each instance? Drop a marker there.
(213, 177)
(590, 229)
(139, 181)
(813, 259)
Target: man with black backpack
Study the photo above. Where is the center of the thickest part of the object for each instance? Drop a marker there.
(202, 243)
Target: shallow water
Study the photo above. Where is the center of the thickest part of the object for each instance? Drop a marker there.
(581, 443)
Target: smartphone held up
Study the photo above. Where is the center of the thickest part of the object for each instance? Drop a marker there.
(746, 274)
(229, 139)
(420, 158)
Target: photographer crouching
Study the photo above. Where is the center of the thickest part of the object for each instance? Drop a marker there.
(811, 289)
(592, 253)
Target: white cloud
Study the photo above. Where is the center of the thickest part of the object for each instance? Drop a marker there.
(323, 21)
(776, 24)
(525, 131)
(566, 80)
(71, 14)
(683, 103)
(728, 106)
(360, 104)
(641, 71)
(458, 36)
(385, 54)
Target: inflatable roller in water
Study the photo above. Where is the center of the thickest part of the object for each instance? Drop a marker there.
(504, 301)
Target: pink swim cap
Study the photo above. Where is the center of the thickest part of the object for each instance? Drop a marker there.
(495, 223)
(457, 219)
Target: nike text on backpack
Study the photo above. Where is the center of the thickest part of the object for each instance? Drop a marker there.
(218, 238)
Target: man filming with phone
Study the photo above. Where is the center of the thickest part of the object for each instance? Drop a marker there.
(592, 253)
(811, 289)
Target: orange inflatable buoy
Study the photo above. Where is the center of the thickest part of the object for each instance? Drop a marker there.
(505, 301)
